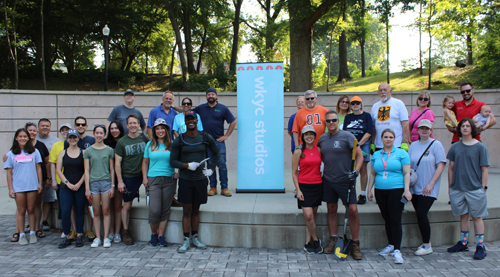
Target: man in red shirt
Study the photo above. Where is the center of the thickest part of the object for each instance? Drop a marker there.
(468, 108)
(312, 114)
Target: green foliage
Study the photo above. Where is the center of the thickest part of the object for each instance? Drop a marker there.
(125, 78)
(319, 76)
(489, 52)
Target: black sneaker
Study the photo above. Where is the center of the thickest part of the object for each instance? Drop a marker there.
(459, 247)
(45, 226)
(480, 253)
(64, 243)
(361, 200)
(318, 249)
(309, 248)
(79, 241)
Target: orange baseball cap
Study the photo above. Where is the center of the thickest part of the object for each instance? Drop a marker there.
(356, 98)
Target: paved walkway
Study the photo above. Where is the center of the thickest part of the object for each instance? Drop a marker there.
(141, 259)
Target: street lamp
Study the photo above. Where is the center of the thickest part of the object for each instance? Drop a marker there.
(105, 32)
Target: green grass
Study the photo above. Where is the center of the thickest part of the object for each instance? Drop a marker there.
(451, 78)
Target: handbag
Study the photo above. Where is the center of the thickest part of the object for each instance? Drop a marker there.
(413, 172)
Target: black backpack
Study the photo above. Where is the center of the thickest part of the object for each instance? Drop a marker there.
(205, 141)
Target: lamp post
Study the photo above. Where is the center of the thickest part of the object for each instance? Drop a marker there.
(105, 32)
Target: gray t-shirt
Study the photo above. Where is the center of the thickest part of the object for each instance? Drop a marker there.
(428, 164)
(48, 141)
(99, 163)
(24, 173)
(468, 159)
(121, 112)
(336, 151)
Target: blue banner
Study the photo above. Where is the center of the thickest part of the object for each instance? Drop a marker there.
(260, 102)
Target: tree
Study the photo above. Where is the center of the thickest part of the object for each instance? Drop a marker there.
(236, 34)
(343, 69)
(178, 39)
(303, 14)
(431, 12)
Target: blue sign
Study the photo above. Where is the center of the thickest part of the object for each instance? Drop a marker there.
(260, 102)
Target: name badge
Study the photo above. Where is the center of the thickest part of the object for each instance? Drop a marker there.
(385, 175)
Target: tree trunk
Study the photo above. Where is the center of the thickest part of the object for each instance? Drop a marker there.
(13, 44)
(172, 67)
(343, 69)
(387, 48)
(469, 49)
(430, 44)
(200, 53)
(186, 21)
(420, 38)
(363, 40)
(47, 42)
(178, 39)
(236, 32)
(44, 81)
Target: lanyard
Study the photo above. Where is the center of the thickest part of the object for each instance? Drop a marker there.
(383, 161)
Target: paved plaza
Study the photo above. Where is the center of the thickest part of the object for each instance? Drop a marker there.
(141, 259)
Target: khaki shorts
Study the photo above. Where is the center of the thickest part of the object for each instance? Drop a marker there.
(472, 202)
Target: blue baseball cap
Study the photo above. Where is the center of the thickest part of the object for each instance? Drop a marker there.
(72, 132)
(211, 90)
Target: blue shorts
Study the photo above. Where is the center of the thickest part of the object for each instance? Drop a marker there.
(132, 186)
(366, 148)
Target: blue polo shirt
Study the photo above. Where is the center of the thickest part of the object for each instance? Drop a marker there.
(158, 112)
(395, 177)
(213, 118)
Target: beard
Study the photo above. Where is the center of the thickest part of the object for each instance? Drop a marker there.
(212, 100)
(383, 97)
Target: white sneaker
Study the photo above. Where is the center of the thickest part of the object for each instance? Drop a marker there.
(111, 236)
(387, 250)
(107, 243)
(117, 238)
(96, 243)
(398, 257)
(423, 250)
(23, 240)
(63, 235)
(33, 239)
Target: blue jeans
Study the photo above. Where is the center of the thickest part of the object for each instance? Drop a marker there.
(68, 198)
(221, 165)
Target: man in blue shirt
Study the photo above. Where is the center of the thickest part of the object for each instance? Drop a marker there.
(164, 110)
(121, 112)
(213, 115)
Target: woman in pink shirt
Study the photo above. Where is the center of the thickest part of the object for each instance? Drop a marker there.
(422, 111)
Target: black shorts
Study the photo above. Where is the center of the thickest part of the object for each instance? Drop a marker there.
(192, 191)
(132, 185)
(333, 191)
(313, 195)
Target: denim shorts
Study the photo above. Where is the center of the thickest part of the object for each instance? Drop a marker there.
(99, 187)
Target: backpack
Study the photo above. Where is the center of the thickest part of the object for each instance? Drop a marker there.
(205, 141)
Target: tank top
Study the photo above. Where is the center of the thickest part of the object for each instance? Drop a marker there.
(309, 166)
(73, 167)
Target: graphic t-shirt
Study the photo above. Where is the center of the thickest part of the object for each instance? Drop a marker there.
(389, 114)
(99, 163)
(336, 150)
(159, 161)
(131, 150)
(24, 174)
(315, 118)
(358, 125)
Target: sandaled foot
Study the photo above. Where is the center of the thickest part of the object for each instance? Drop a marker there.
(40, 234)
(15, 237)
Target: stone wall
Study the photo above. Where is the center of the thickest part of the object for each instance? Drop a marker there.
(20, 106)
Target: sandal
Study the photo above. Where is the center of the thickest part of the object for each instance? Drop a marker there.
(15, 237)
(40, 234)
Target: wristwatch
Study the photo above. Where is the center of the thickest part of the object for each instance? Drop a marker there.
(298, 147)
(66, 182)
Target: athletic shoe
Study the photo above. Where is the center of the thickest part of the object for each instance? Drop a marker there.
(107, 243)
(45, 226)
(65, 243)
(111, 236)
(318, 249)
(197, 243)
(96, 243)
(154, 240)
(23, 240)
(79, 241)
(72, 235)
(185, 246)
(387, 250)
(355, 251)
(361, 200)
(33, 239)
(117, 239)
(90, 235)
(459, 247)
(162, 241)
(423, 250)
(127, 238)
(63, 235)
(308, 247)
(398, 257)
(331, 247)
(480, 253)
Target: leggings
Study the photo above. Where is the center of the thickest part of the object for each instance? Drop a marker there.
(391, 208)
(68, 199)
(422, 205)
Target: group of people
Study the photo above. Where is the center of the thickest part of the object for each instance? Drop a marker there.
(406, 164)
(106, 170)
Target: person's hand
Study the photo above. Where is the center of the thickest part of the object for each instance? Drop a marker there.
(145, 182)
(88, 195)
(193, 166)
(407, 195)
(372, 148)
(12, 194)
(39, 188)
(353, 175)
(223, 138)
(207, 172)
(121, 187)
(54, 185)
(48, 183)
(175, 176)
(76, 187)
(427, 190)
(111, 192)
(369, 195)
(404, 146)
(300, 195)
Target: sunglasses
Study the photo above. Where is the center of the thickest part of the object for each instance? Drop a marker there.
(187, 104)
(465, 91)
(310, 98)
(81, 124)
(331, 120)
(423, 99)
(344, 102)
(355, 103)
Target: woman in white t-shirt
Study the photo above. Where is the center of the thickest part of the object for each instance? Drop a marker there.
(24, 178)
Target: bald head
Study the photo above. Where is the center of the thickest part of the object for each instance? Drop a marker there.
(384, 92)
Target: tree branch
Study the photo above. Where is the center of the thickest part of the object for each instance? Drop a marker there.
(319, 12)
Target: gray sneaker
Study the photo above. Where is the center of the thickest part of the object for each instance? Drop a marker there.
(33, 239)
(23, 240)
(197, 243)
(185, 246)
(118, 238)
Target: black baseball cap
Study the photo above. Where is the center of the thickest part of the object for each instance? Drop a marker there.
(211, 90)
(190, 113)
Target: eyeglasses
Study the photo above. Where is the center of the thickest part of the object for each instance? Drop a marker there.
(310, 98)
(187, 104)
(465, 91)
(81, 124)
(355, 103)
(423, 99)
(344, 102)
(331, 120)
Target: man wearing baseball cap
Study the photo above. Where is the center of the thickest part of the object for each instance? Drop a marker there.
(213, 115)
(189, 154)
(121, 112)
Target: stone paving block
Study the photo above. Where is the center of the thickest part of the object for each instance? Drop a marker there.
(127, 272)
(234, 274)
(236, 265)
(106, 272)
(277, 274)
(238, 257)
(216, 264)
(196, 265)
(257, 266)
